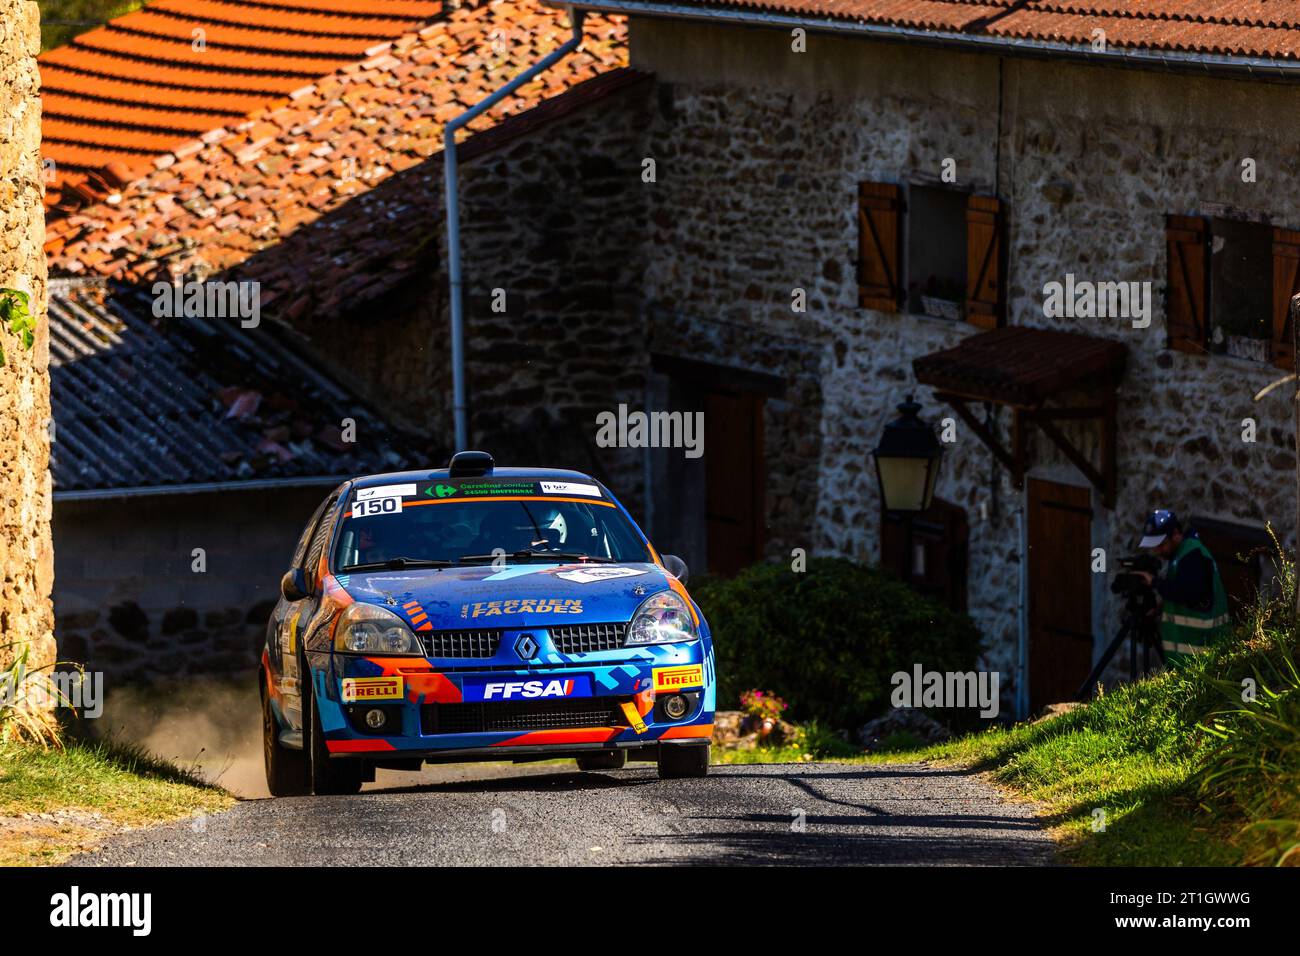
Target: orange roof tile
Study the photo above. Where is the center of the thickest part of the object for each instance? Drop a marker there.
(1264, 29)
(112, 94)
(254, 193)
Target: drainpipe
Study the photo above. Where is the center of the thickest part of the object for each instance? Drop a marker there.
(1022, 616)
(459, 409)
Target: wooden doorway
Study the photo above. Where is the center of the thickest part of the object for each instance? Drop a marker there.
(1060, 591)
(735, 476)
(930, 551)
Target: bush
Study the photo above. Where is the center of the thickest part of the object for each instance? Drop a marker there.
(827, 639)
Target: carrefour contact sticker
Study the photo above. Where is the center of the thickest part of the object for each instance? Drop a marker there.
(490, 489)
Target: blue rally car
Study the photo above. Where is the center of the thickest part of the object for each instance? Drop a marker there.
(477, 613)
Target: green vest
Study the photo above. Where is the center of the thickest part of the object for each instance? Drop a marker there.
(1185, 631)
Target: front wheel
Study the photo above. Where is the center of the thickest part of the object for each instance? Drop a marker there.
(287, 774)
(330, 777)
(683, 761)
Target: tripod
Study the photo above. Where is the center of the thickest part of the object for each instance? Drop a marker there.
(1137, 627)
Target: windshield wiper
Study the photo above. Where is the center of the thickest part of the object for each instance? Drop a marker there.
(399, 564)
(545, 555)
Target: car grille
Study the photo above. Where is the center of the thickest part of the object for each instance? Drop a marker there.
(477, 644)
(523, 715)
(584, 638)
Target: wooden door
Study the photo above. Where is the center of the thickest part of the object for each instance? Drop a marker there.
(1060, 591)
(930, 551)
(734, 479)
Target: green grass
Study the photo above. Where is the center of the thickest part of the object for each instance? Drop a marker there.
(87, 790)
(61, 20)
(812, 741)
(1086, 771)
(1177, 770)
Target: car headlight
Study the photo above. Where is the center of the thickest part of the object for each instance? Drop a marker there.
(369, 629)
(663, 618)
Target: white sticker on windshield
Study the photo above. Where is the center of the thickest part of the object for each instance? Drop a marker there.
(376, 506)
(569, 488)
(587, 575)
(386, 491)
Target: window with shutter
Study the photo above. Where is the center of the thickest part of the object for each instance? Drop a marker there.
(1187, 290)
(985, 301)
(1286, 283)
(879, 246)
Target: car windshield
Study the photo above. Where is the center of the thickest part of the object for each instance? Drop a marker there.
(458, 531)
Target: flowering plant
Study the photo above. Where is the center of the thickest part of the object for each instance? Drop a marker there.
(762, 705)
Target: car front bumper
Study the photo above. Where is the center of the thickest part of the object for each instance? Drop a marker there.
(431, 711)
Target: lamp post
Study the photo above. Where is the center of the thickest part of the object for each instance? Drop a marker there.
(907, 467)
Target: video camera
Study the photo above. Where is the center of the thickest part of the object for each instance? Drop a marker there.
(1140, 596)
(1137, 624)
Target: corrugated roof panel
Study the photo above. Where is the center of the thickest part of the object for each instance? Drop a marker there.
(141, 401)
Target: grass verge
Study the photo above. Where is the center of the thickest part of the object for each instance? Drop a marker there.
(58, 802)
(1198, 766)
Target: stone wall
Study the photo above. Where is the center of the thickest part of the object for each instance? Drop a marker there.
(760, 156)
(26, 559)
(551, 219)
(130, 602)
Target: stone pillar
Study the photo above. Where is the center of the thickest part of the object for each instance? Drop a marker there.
(26, 552)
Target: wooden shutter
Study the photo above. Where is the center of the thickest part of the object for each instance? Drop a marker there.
(879, 246)
(1286, 283)
(985, 301)
(1187, 293)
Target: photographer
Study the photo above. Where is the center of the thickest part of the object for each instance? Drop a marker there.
(1192, 603)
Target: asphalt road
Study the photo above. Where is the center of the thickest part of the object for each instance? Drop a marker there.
(550, 815)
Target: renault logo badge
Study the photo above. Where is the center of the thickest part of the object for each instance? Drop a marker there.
(526, 647)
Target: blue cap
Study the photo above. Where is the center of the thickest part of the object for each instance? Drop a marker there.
(1159, 524)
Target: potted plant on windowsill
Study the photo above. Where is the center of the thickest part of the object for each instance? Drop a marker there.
(942, 298)
(1243, 336)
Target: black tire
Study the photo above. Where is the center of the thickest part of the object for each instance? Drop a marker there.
(683, 761)
(287, 773)
(331, 777)
(603, 760)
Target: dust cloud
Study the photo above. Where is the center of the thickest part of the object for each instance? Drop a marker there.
(212, 728)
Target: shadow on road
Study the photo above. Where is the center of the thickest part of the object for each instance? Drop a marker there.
(560, 781)
(781, 846)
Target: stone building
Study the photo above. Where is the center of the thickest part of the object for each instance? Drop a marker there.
(26, 559)
(789, 221)
(922, 184)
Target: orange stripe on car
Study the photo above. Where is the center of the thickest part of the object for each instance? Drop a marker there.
(698, 730)
(447, 501)
(587, 735)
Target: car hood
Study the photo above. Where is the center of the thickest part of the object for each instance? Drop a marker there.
(520, 595)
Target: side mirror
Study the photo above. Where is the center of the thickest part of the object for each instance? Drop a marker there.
(676, 567)
(294, 585)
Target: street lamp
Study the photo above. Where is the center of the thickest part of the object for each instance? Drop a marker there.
(907, 462)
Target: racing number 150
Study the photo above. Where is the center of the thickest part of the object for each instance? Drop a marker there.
(376, 506)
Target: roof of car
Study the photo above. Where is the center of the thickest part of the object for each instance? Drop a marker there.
(497, 474)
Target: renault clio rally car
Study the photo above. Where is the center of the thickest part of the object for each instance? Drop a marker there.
(477, 613)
